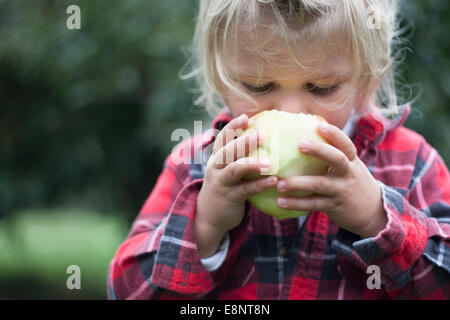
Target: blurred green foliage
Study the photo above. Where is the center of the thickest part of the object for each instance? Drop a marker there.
(36, 247)
(426, 69)
(86, 117)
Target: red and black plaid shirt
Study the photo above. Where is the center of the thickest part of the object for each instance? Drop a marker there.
(271, 259)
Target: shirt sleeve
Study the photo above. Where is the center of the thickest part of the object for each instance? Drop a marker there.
(159, 257)
(214, 262)
(413, 251)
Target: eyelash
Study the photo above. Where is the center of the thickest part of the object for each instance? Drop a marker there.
(321, 91)
(259, 90)
(309, 87)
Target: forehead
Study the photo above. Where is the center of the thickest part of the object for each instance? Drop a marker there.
(264, 54)
(309, 59)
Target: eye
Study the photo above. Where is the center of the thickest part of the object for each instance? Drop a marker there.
(259, 90)
(321, 91)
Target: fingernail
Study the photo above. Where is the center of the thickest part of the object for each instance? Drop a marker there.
(242, 118)
(264, 170)
(264, 162)
(282, 202)
(324, 126)
(281, 186)
(270, 180)
(304, 144)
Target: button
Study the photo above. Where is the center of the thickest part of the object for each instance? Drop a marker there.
(283, 251)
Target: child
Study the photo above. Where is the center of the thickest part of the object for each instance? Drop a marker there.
(377, 226)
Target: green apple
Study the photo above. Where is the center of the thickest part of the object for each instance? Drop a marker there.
(282, 132)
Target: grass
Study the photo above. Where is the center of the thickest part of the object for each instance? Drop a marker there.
(37, 246)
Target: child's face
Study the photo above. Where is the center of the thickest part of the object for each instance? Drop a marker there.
(323, 86)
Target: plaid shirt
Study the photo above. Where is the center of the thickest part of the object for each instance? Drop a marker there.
(271, 259)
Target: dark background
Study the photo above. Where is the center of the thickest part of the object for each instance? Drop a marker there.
(86, 117)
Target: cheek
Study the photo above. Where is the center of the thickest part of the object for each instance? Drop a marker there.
(337, 119)
(337, 116)
(238, 106)
(349, 105)
(340, 122)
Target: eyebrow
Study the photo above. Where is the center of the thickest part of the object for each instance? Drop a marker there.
(337, 78)
(337, 74)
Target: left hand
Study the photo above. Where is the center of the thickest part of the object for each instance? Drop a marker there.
(348, 193)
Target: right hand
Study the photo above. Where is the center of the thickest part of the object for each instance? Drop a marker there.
(221, 200)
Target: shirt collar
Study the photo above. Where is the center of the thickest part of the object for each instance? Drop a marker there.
(373, 126)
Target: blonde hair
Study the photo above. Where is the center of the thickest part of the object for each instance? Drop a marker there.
(369, 28)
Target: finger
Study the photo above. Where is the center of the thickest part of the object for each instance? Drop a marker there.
(239, 168)
(309, 204)
(237, 148)
(229, 132)
(338, 139)
(246, 189)
(322, 185)
(335, 158)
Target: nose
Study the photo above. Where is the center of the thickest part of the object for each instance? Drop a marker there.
(292, 102)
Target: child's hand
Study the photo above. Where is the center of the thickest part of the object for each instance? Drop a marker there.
(348, 194)
(221, 201)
